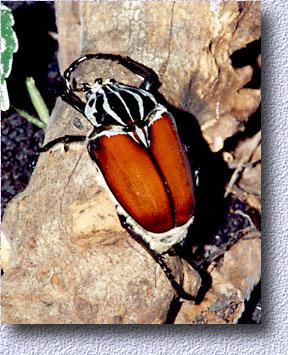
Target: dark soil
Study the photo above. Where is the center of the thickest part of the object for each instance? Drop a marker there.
(20, 142)
(36, 57)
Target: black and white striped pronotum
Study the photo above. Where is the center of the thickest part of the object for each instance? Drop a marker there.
(135, 144)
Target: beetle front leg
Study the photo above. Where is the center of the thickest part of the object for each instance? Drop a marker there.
(74, 101)
(64, 140)
(150, 82)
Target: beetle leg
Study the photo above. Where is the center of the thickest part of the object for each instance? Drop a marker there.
(65, 140)
(181, 293)
(160, 261)
(74, 101)
(150, 82)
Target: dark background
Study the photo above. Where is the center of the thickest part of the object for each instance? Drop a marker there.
(37, 58)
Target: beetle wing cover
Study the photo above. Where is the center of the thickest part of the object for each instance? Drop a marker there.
(172, 160)
(134, 180)
(153, 185)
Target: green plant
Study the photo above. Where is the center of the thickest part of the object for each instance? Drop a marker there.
(9, 45)
(38, 103)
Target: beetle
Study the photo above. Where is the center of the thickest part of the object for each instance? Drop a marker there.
(136, 147)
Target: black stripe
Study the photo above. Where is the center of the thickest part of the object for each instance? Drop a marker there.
(100, 114)
(91, 102)
(117, 106)
(99, 104)
(124, 112)
(131, 103)
(148, 104)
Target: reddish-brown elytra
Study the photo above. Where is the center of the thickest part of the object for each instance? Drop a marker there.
(154, 184)
(140, 157)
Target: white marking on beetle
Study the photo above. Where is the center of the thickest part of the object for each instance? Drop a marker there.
(160, 242)
(114, 131)
(89, 111)
(157, 113)
(107, 108)
(146, 93)
(141, 136)
(121, 98)
(137, 97)
(95, 87)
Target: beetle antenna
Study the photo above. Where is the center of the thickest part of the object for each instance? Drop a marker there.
(68, 72)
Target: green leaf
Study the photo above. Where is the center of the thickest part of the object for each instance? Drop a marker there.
(37, 100)
(30, 118)
(8, 46)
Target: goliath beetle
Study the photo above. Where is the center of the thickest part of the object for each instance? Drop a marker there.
(135, 144)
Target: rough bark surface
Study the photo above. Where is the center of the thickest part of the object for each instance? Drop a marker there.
(233, 279)
(70, 261)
